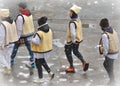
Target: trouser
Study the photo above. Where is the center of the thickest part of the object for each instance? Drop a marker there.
(39, 63)
(108, 65)
(15, 49)
(68, 52)
(5, 56)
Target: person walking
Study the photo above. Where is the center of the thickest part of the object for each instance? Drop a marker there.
(8, 35)
(74, 38)
(25, 30)
(42, 46)
(109, 48)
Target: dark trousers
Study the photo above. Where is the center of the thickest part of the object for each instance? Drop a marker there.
(73, 48)
(108, 65)
(15, 49)
(39, 63)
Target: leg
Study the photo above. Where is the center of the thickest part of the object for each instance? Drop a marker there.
(7, 54)
(39, 67)
(78, 54)
(108, 65)
(45, 65)
(27, 43)
(40, 71)
(47, 68)
(3, 61)
(14, 52)
(68, 50)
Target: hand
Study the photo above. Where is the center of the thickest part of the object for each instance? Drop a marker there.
(76, 43)
(3, 46)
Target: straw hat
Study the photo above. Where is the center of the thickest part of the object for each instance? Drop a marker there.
(76, 9)
(4, 12)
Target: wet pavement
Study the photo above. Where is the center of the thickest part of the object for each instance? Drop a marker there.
(95, 76)
(57, 13)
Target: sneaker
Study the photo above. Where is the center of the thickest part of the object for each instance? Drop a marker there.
(38, 80)
(33, 65)
(12, 62)
(70, 70)
(85, 66)
(7, 70)
(51, 75)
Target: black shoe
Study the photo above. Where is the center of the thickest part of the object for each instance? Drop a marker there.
(85, 66)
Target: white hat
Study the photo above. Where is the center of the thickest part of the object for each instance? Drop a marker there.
(4, 12)
(76, 9)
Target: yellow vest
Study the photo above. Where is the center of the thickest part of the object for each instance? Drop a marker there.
(113, 43)
(45, 43)
(28, 26)
(10, 32)
(78, 31)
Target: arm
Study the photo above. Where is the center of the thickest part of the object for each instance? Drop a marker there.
(19, 25)
(2, 34)
(105, 44)
(73, 33)
(36, 40)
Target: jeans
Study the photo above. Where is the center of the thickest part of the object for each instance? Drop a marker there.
(15, 49)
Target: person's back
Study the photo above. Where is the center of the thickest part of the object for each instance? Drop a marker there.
(8, 35)
(25, 30)
(11, 32)
(41, 46)
(24, 21)
(46, 42)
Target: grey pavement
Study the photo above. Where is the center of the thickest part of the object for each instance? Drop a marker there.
(95, 76)
(57, 13)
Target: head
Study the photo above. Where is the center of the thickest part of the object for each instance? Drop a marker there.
(72, 14)
(74, 10)
(104, 23)
(4, 13)
(42, 20)
(22, 6)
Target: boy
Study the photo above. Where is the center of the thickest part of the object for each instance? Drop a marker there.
(109, 48)
(42, 46)
(74, 38)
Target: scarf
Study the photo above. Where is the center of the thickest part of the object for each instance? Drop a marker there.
(25, 12)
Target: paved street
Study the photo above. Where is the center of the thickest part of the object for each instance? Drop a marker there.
(57, 13)
(95, 76)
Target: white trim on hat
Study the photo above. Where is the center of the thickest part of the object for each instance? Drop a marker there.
(42, 25)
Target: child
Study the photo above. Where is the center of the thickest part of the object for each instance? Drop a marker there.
(25, 30)
(109, 48)
(74, 38)
(7, 39)
(42, 46)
